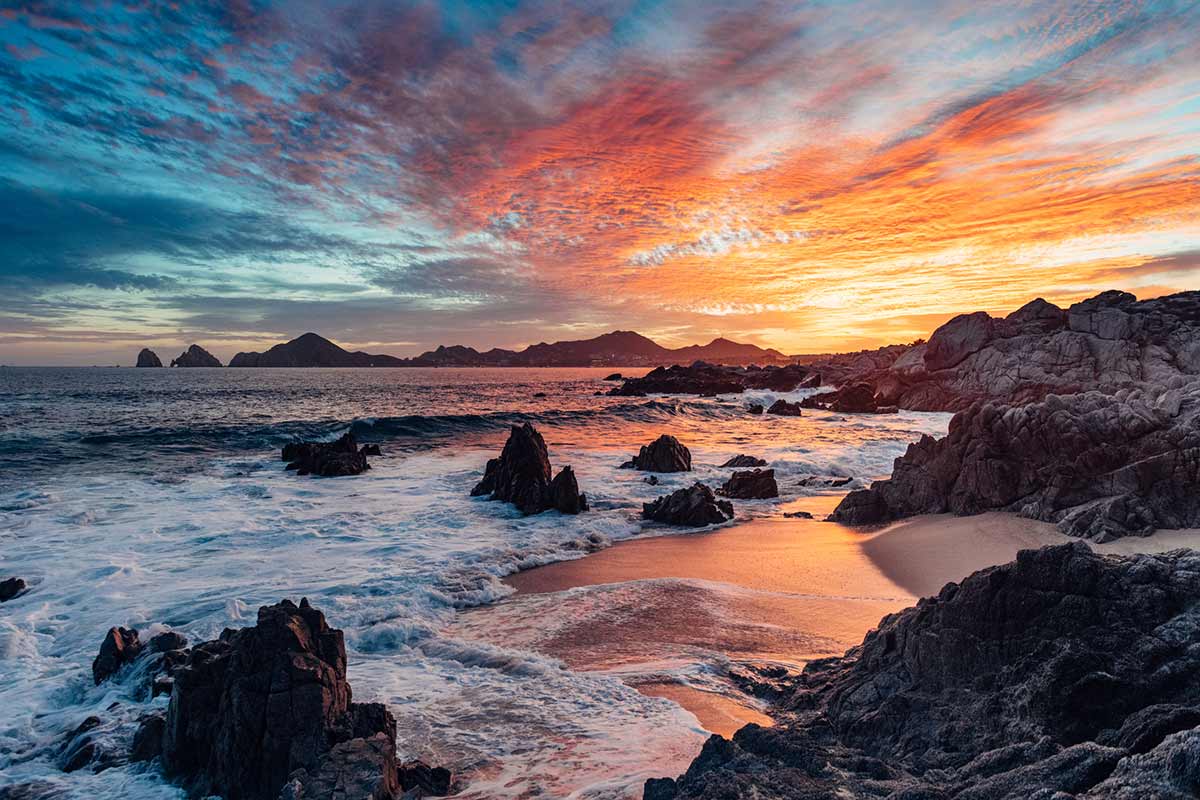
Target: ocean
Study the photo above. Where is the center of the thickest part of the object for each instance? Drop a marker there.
(156, 498)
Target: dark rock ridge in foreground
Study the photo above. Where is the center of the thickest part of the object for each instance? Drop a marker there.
(757, 484)
(702, 378)
(1064, 675)
(1097, 465)
(664, 454)
(266, 712)
(328, 459)
(693, 507)
(1106, 343)
(521, 476)
(148, 358)
(195, 356)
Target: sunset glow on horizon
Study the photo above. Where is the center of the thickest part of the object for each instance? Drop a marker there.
(812, 177)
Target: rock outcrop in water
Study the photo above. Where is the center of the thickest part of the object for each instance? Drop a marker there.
(743, 461)
(148, 358)
(120, 647)
(266, 712)
(783, 408)
(521, 476)
(1109, 342)
(664, 454)
(758, 484)
(854, 398)
(10, 588)
(693, 507)
(1099, 466)
(195, 356)
(327, 459)
(1064, 675)
(705, 379)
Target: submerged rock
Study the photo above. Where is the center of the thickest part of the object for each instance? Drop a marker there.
(327, 459)
(616, 376)
(521, 476)
(1065, 674)
(785, 409)
(148, 358)
(81, 748)
(120, 647)
(758, 484)
(744, 461)
(664, 454)
(267, 709)
(10, 588)
(195, 356)
(1099, 466)
(693, 507)
(755, 408)
(710, 380)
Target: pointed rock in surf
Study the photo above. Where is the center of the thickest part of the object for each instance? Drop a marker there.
(758, 484)
(120, 646)
(521, 476)
(328, 459)
(195, 356)
(148, 358)
(693, 507)
(664, 454)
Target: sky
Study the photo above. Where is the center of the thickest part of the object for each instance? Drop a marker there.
(813, 176)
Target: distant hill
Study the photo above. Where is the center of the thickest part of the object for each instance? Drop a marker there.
(616, 349)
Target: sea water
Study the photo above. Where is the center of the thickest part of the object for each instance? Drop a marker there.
(156, 499)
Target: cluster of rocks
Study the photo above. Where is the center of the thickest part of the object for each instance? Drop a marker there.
(194, 356)
(1099, 466)
(853, 398)
(1064, 675)
(706, 379)
(329, 459)
(783, 408)
(694, 507)
(664, 454)
(521, 476)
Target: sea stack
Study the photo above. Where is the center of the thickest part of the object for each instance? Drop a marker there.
(521, 476)
(195, 356)
(148, 358)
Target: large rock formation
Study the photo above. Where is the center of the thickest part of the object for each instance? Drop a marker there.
(312, 350)
(693, 507)
(521, 476)
(327, 459)
(1109, 342)
(120, 647)
(195, 356)
(267, 709)
(758, 484)
(148, 358)
(1062, 675)
(664, 454)
(709, 379)
(1098, 465)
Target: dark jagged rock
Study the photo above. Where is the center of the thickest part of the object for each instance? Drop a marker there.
(148, 738)
(120, 647)
(1109, 342)
(195, 356)
(327, 459)
(758, 484)
(833, 481)
(693, 507)
(521, 476)
(798, 514)
(82, 749)
(10, 588)
(616, 376)
(266, 707)
(428, 780)
(166, 642)
(1064, 674)
(1097, 465)
(652, 480)
(785, 409)
(370, 450)
(148, 358)
(744, 461)
(710, 380)
(755, 408)
(854, 398)
(664, 454)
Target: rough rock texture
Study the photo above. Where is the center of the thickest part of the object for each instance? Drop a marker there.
(709, 379)
(1106, 343)
(1062, 675)
(268, 706)
(744, 461)
(758, 484)
(693, 507)
(148, 358)
(785, 409)
(428, 780)
(10, 588)
(1098, 465)
(755, 408)
(853, 398)
(521, 476)
(664, 454)
(83, 748)
(327, 459)
(148, 738)
(120, 647)
(195, 356)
